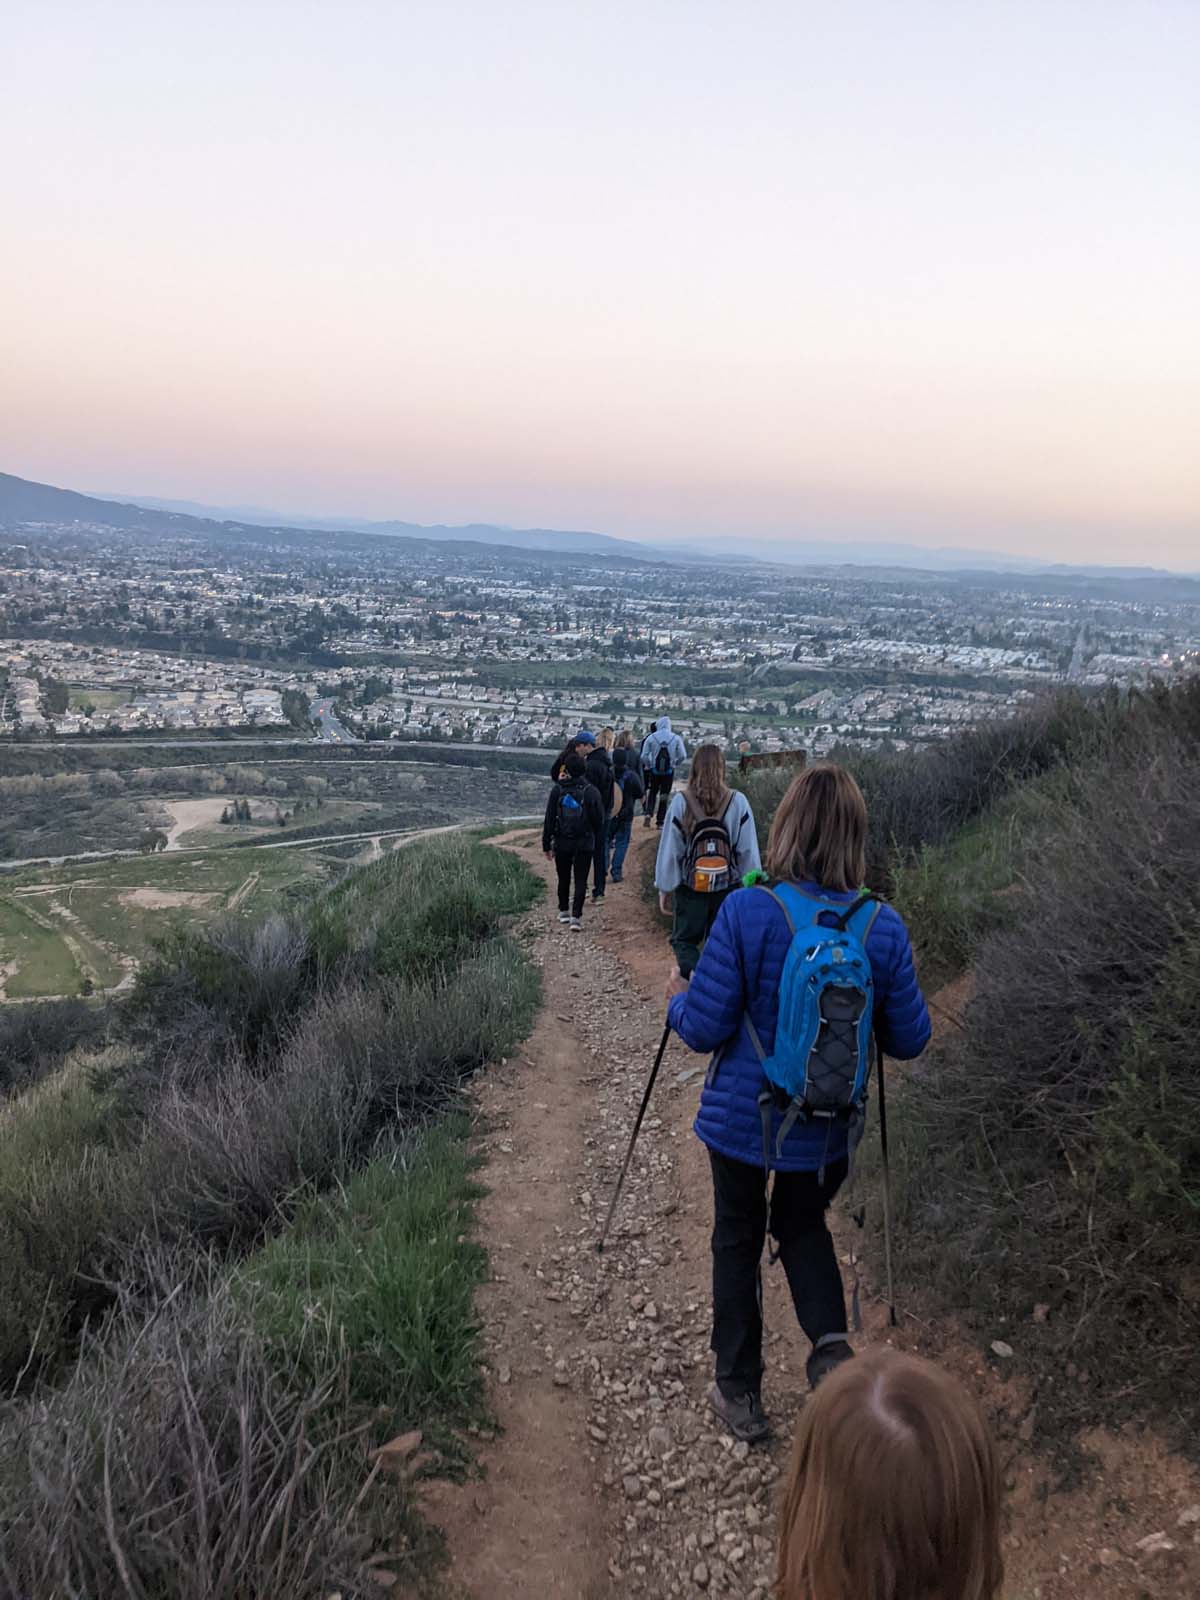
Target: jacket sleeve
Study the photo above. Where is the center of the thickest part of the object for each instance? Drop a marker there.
(668, 867)
(745, 845)
(548, 824)
(902, 1017)
(711, 1009)
(595, 810)
(680, 750)
(632, 786)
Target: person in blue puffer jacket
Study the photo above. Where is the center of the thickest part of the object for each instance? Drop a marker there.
(818, 843)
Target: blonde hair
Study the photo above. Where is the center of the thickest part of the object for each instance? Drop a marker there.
(820, 830)
(607, 738)
(894, 1491)
(707, 780)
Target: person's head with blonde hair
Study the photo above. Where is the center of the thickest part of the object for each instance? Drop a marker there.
(819, 833)
(625, 739)
(894, 1492)
(607, 738)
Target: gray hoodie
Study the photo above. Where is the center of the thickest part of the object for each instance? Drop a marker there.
(663, 735)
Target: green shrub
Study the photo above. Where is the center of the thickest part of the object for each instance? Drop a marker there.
(181, 1458)
(36, 1039)
(384, 1273)
(1053, 1154)
(229, 1117)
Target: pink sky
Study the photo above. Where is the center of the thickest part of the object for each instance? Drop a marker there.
(667, 269)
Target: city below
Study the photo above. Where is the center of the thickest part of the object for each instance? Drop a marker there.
(180, 626)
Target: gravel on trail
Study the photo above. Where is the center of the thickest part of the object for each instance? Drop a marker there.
(610, 1476)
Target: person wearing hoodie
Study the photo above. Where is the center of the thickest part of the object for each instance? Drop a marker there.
(620, 827)
(574, 821)
(600, 776)
(706, 800)
(662, 753)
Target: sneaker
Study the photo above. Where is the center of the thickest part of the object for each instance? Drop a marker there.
(647, 820)
(615, 878)
(745, 1417)
(564, 916)
(597, 894)
(576, 924)
(827, 1354)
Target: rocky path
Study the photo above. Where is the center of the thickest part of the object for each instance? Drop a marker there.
(609, 1477)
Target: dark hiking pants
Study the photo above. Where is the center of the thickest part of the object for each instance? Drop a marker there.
(658, 794)
(798, 1202)
(572, 864)
(693, 915)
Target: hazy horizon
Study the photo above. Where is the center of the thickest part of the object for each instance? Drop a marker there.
(668, 274)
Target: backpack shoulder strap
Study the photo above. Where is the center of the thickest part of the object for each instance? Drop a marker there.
(782, 904)
(866, 898)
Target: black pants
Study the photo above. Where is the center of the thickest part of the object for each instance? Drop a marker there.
(600, 862)
(798, 1202)
(658, 793)
(572, 863)
(692, 918)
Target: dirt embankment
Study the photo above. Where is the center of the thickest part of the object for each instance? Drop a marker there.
(609, 1479)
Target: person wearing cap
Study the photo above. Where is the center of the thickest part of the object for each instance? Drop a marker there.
(582, 744)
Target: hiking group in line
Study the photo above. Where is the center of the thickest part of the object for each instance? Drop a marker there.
(796, 981)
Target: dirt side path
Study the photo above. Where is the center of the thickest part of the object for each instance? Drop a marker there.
(609, 1478)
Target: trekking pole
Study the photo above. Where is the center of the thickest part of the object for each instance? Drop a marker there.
(887, 1192)
(637, 1128)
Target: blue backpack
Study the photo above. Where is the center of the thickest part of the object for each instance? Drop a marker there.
(821, 1065)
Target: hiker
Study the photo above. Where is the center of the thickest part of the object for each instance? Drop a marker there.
(816, 858)
(894, 1490)
(662, 752)
(647, 806)
(709, 843)
(583, 743)
(574, 821)
(620, 825)
(600, 776)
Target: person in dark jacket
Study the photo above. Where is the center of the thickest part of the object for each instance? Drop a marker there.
(600, 776)
(574, 821)
(620, 827)
(582, 744)
(818, 844)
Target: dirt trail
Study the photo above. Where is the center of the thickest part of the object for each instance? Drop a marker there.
(609, 1479)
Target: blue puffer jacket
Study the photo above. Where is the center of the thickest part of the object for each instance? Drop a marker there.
(739, 972)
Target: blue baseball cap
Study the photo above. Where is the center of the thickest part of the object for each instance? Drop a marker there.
(584, 737)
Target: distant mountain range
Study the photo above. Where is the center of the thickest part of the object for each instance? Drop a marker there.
(25, 501)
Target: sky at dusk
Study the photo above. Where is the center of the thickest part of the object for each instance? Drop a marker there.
(924, 272)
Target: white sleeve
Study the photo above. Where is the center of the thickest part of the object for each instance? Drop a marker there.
(746, 856)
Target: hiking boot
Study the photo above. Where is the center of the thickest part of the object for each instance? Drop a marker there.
(744, 1417)
(647, 820)
(615, 878)
(827, 1354)
(564, 916)
(576, 924)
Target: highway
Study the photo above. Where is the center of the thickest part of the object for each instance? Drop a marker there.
(330, 730)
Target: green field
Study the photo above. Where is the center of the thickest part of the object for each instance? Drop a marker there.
(101, 699)
(59, 927)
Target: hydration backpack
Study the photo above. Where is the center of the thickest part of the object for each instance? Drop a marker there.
(821, 1065)
(708, 859)
(662, 761)
(571, 824)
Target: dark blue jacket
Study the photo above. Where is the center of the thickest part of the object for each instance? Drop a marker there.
(739, 972)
